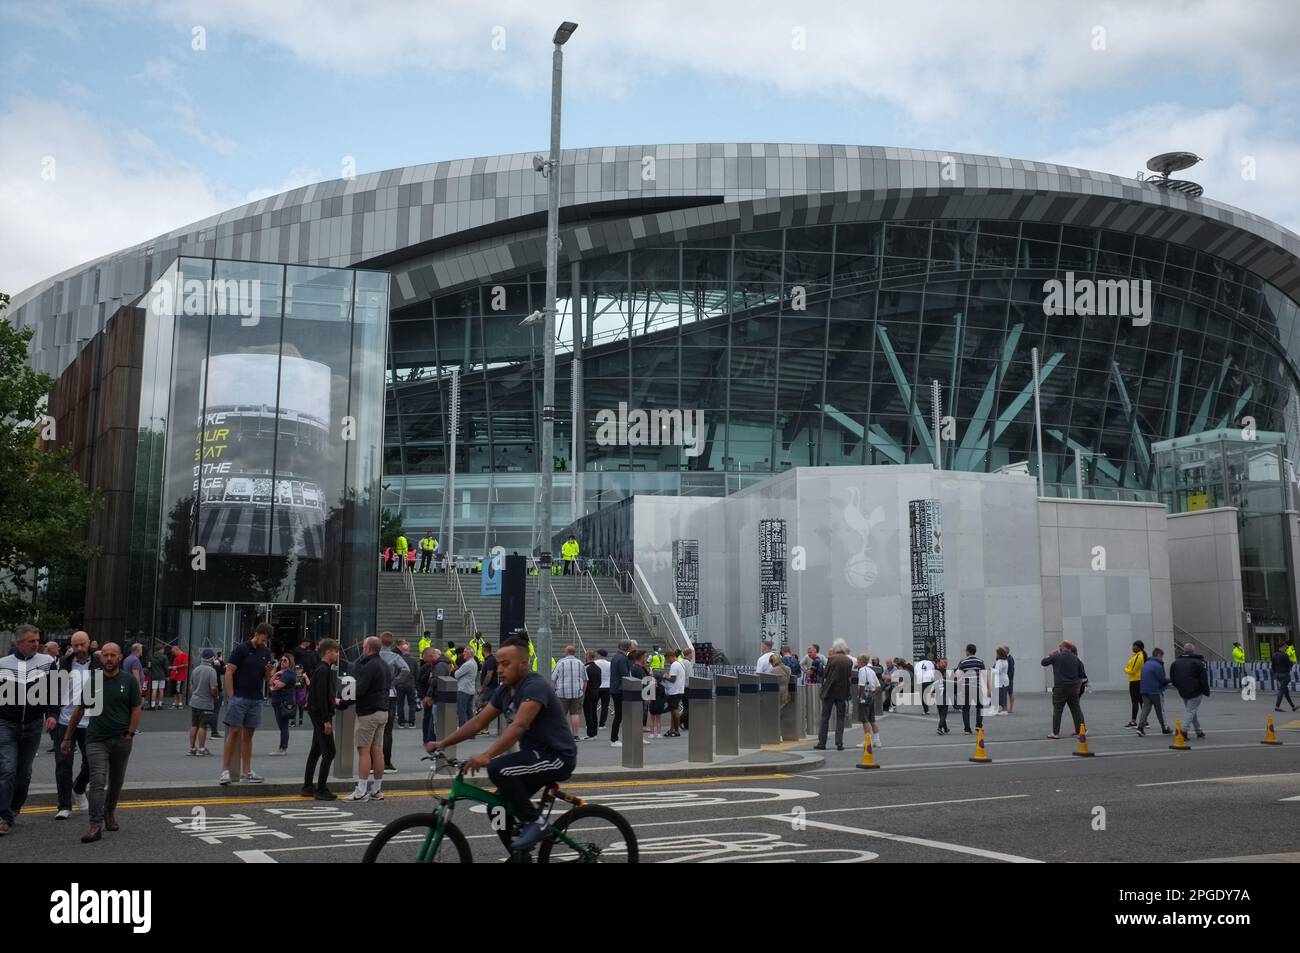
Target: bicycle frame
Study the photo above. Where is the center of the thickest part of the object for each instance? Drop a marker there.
(462, 790)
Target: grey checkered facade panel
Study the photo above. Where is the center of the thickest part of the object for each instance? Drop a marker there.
(377, 217)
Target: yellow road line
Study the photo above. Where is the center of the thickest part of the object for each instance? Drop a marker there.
(297, 798)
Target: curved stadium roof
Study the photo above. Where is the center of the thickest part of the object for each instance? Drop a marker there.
(446, 224)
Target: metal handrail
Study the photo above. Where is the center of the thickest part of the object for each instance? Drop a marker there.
(585, 579)
(621, 629)
(577, 636)
(1200, 646)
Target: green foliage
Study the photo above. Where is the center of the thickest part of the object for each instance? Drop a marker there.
(44, 507)
(390, 527)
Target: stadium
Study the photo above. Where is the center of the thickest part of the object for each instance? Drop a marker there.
(806, 301)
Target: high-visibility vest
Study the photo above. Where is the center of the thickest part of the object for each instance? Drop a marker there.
(401, 545)
(476, 645)
(1290, 653)
(1238, 654)
(532, 656)
(424, 644)
(429, 543)
(656, 661)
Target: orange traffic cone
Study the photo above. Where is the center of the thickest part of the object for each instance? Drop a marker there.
(1180, 739)
(981, 756)
(868, 755)
(1083, 751)
(1270, 736)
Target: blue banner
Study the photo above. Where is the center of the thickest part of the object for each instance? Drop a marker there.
(490, 577)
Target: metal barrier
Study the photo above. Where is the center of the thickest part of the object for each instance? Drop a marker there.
(699, 695)
(790, 727)
(726, 714)
(750, 735)
(444, 702)
(769, 708)
(633, 740)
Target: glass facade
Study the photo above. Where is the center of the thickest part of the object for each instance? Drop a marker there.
(258, 464)
(818, 346)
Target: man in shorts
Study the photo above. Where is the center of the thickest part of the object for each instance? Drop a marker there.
(374, 679)
(203, 696)
(547, 753)
(248, 670)
(570, 680)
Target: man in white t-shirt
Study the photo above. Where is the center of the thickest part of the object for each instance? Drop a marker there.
(924, 679)
(868, 685)
(764, 663)
(675, 689)
(602, 663)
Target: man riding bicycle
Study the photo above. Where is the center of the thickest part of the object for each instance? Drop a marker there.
(547, 752)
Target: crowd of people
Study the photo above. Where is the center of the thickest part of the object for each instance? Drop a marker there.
(395, 687)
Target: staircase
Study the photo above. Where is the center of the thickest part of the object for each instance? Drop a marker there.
(394, 614)
(436, 590)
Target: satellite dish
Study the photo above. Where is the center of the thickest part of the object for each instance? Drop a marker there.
(1168, 162)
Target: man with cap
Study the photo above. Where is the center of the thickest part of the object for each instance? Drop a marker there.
(203, 701)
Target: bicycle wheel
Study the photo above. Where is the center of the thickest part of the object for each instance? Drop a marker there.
(403, 842)
(601, 835)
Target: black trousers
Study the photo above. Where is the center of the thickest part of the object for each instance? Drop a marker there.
(618, 718)
(520, 775)
(604, 706)
(965, 716)
(63, 766)
(925, 706)
(426, 557)
(589, 703)
(322, 749)
(943, 716)
(1135, 699)
(388, 733)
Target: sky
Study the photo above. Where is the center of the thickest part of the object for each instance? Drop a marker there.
(124, 119)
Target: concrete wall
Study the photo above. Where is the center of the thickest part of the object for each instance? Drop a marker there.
(849, 526)
(1205, 569)
(1103, 610)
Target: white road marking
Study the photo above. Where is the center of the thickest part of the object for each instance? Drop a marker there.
(919, 841)
(264, 856)
(1231, 777)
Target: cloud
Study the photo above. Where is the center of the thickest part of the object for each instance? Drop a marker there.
(933, 61)
(111, 187)
(1247, 163)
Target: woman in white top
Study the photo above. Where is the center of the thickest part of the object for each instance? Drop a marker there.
(868, 685)
(1000, 680)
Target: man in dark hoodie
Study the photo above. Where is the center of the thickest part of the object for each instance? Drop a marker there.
(1190, 675)
(322, 693)
(1154, 683)
(1067, 685)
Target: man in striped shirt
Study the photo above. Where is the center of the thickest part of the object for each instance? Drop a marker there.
(28, 708)
(570, 681)
(973, 674)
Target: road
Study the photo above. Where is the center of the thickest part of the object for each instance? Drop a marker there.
(1034, 803)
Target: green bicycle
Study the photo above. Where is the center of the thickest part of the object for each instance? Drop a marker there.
(585, 834)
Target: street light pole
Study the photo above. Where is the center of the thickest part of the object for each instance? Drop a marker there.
(552, 173)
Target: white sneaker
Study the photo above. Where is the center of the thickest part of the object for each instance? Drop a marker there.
(63, 815)
(83, 802)
(375, 795)
(616, 744)
(358, 796)
(225, 778)
(277, 753)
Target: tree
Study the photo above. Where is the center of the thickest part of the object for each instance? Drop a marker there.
(44, 506)
(390, 527)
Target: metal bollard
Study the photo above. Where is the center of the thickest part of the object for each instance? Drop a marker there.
(699, 743)
(444, 700)
(769, 708)
(725, 715)
(633, 740)
(750, 735)
(790, 713)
